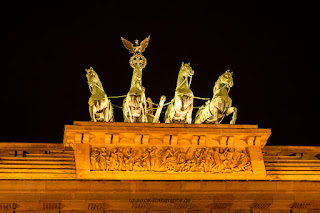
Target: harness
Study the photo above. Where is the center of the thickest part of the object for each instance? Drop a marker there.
(92, 83)
(189, 83)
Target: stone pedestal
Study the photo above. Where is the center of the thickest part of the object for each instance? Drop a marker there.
(136, 151)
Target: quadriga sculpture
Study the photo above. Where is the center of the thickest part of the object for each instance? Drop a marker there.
(100, 107)
(180, 108)
(214, 110)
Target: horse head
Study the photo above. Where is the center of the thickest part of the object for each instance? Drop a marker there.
(180, 109)
(186, 70)
(226, 79)
(183, 85)
(92, 77)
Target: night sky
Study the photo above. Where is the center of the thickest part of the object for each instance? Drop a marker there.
(269, 48)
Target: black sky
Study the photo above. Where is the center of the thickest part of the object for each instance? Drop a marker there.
(269, 47)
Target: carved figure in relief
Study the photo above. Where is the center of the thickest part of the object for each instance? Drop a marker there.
(146, 159)
(244, 162)
(108, 161)
(209, 160)
(229, 163)
(202, 166)
(100, 107)
(216, 161)
(170, 159)
(180, 108)
(220, 105)
(198, 155)
(94, 159)
(187, 166)
(115, 164)
(102, 159)
(128, 159)
(154, 158)
(120, 158)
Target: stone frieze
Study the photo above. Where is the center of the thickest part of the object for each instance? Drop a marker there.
(170, 159)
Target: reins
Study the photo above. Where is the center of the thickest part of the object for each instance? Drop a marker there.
(95, 84)
(189, 83)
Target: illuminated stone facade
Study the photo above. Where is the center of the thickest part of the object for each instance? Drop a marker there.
(135, 167)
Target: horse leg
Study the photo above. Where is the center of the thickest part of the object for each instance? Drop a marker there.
(105, 112)
(129, 110)
(105, 115)
(215, 115)
(110, 113)
(234, 116)
(189, 114)
(91, 113)
(168, 113)
(143, 115)
(197, 120)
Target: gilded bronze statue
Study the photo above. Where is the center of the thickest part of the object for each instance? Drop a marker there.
(180, 108)
(134, 105)
(214, 110)
(137, 109)
(100, 107)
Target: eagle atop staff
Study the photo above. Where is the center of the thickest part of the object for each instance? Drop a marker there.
(137, 48)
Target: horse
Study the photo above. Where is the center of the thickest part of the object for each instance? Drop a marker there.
(100, 107)
(180, 108)
(134, 105)
(214, 110)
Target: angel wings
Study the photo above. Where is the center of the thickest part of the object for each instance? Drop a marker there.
(137, 48)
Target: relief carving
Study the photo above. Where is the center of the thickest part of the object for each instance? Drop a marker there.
(69, 142)
(170, 159)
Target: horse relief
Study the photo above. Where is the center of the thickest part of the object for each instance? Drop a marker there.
(137, 109)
